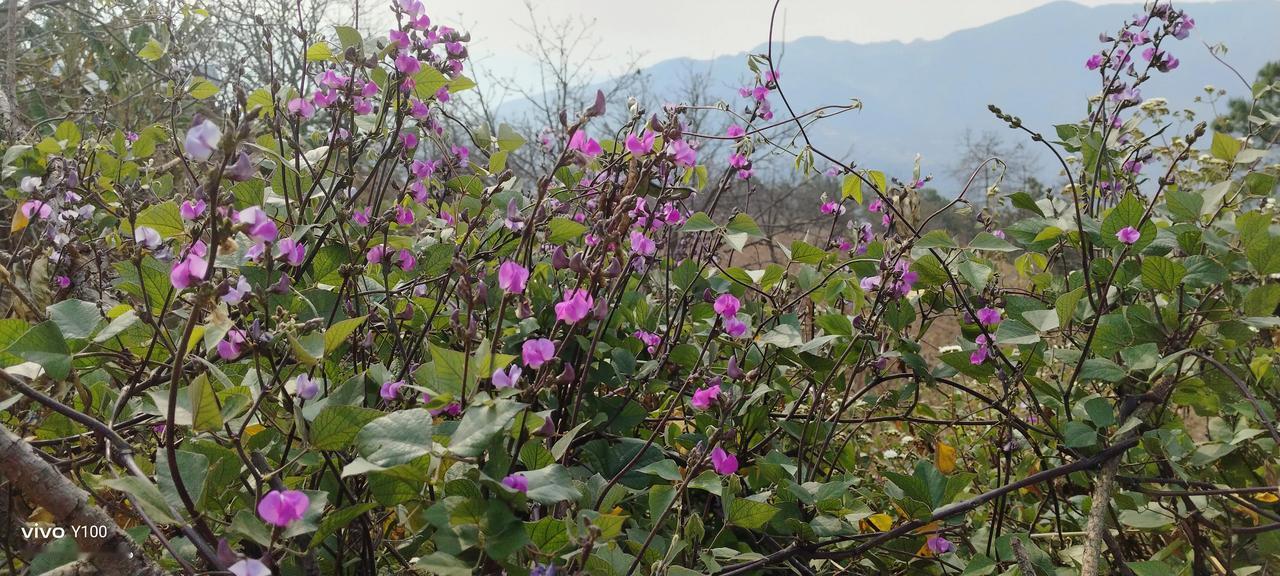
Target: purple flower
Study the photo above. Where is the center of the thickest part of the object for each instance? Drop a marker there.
(536, 352)
(735, 131)
(62, 281)
(641, 146)
(404, 216)
(517, 482)
(188, 271)
(682, 153)
(587, 146)
(377, 254)
(727, 305)
(506, 379)
(291, 251)
(1128, 235)
(512, 277)
(833, 208)
(651, 340)
(191, 210)
(407, 65)
(390, 390)
(229, 347)
(732, 369)
(735, 327)
(984, 350)
(280, 508)
(237, 293)
(939, 545)
(36, 209)
(642, 245)
(1093, 62)
(305, 387)
(202, 140)
(249, 567)
(724, 462)
(703, 398)
(575, 306)
(405, 259)
(258, 225)
(361, 216)
(989, 316)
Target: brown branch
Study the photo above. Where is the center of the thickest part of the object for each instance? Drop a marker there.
(40, 483)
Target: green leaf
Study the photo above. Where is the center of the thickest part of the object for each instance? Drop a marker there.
(43, 344)
(201, 88)
(349, 37)
(340, 331)
(1077, 434)
(1224, 147)
(480, 424)
(145, 494)
(750, 514)
(1162, 274)
(334, 521)
(699, 222)
(851, 187)
(548, 535)
(397, 438)
(1128, 213)
(550, 485)
(336, 426)
(164, 218)
(205, 414)
(665, 469)
(991, 243)
(76, 319)
(562, 230)
(152, 51)
(193, 468)
(318, 52)
(444, 565)
(1151, 568)
(806, 253)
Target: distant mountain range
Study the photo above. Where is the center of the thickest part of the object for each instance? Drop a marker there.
(921, 96)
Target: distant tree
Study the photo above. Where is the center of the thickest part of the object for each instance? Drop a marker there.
(1266, 99)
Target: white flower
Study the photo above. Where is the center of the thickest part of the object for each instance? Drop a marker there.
(249, 567)
(147, 237)
(202, 139)
(30, 184)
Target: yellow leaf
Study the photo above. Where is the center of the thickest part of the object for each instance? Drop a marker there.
(252, 429)
(876, 523)
(19, 222)
(946, 458)
(1268, 497)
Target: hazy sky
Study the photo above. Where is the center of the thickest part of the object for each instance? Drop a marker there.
(656, 30)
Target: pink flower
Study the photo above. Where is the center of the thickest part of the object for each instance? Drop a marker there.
(512, 277)
(237, 293)
(735, 131)
(727, 305)
(516, 482)
(280, 508)
(641, 146)
(390, 390)
(980, 355)
(651, 340)
(292, 251)
(575, 306)
(735, 327)
(1093, 62)
(190, 270)
(409, 139)
(506, 379)
(404, 216)
(369, 89)
(36, 209)
(989, 316)
(1128, 235)
(407, 65)
(229, 346)
(682, 153)
(202, 140)
(738, 160)
(377, 254)
(724, 462)
(258, 225)
(939, 545)
(537, 352)
(832, 208)
(405, 259)
(301, 107)
(191, 210)
(361, 216)
(587, 146)
(249, 567)
(400, 38)
(641, 244)
(703, 398)
(305, 387)
(362, 106)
